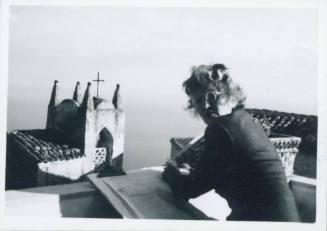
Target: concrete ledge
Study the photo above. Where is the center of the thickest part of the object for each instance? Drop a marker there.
(79, 200)
(304, 190)
(304, 180)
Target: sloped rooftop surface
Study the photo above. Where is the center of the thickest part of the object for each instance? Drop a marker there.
(46, 145)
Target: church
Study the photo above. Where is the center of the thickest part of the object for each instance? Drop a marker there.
(84, 133)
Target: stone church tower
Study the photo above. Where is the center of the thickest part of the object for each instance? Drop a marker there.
(91, 122)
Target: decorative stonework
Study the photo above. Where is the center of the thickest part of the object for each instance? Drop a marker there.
(99, 156)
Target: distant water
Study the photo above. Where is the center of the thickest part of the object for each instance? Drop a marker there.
(148, 130)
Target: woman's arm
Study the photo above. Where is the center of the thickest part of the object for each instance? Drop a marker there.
(186, 154)
(209, 170)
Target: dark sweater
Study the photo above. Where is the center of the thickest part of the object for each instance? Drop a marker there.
(242, 165)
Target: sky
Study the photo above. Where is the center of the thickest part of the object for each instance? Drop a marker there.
(271, 53)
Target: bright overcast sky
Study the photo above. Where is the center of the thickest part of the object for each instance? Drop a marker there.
(271, 52)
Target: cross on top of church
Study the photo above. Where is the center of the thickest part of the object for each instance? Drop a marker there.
(98, 80)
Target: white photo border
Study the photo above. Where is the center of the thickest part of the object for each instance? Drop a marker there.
(112, 224)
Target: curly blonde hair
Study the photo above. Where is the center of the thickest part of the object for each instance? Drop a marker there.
(214, 78)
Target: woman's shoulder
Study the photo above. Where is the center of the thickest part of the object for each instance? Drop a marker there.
(235, 117)
(238, 117)
(236, 122)
(217, 128)
(244, 130)
(240, 113)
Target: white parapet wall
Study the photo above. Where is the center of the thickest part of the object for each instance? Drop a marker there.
(111, 119)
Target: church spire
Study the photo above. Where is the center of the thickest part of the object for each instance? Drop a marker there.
(54, 100)
(116, 100)
(88, 99)
(77, 93)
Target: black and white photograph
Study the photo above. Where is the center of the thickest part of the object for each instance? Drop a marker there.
(172, 114)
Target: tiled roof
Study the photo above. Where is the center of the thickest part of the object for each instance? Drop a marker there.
(303, 126)
(43, 146)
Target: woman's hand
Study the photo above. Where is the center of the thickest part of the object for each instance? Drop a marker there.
(185, 169)
(172, 164)
(174, 177)
(170, 172)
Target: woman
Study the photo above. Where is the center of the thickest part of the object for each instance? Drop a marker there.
(239, 161)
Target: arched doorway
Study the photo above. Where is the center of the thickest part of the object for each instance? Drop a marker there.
(106, 140)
